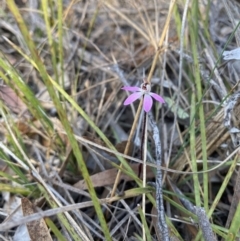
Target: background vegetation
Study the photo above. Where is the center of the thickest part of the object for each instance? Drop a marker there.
(64, 125)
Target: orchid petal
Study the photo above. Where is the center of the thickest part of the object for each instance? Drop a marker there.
(147, 102)
(157, 97)
(131, 98)
(131, 88)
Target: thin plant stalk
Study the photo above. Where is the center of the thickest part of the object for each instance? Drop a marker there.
(144, 158)
(193, 152)
(193, 37)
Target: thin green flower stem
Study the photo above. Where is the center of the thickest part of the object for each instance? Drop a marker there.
(130, 138)
(144, 127)
(144, 158)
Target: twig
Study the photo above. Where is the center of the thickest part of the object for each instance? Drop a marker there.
(162, 225)
(204, 223)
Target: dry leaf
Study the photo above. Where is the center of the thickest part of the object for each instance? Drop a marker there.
(38, 230)
(108, 177)
(11, 100)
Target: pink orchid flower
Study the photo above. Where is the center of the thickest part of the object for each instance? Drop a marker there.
(145, 92)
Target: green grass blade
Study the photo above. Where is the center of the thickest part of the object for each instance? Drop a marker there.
(51, 43)
(54, 229)
(12, 189)
(60, 40)
(193, 151)
(235, 225)
(193, 20)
